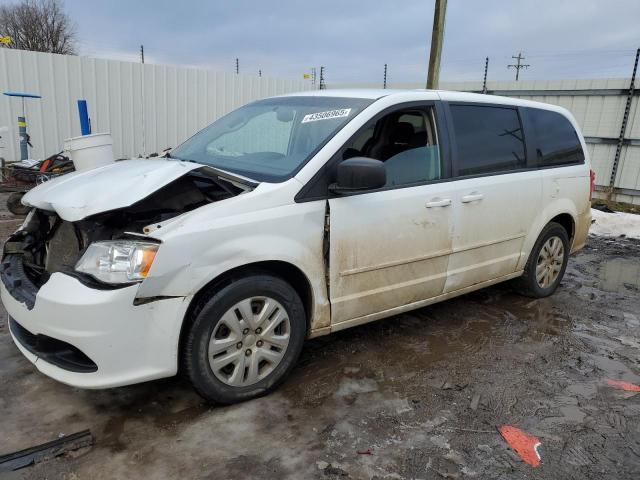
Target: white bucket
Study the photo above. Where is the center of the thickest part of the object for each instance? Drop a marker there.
(90, 151)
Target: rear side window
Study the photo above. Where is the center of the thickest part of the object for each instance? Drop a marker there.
(488, 139)
(557, 142)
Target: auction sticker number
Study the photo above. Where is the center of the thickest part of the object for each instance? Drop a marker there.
(314, 117)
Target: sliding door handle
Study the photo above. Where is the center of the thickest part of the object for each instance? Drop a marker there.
(472, 197)
(439, 202)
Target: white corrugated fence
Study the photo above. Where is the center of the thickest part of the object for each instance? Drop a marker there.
(147, 108)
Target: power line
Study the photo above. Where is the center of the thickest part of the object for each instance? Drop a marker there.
(519, 65)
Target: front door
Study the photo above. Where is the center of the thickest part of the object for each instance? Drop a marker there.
(390, 247)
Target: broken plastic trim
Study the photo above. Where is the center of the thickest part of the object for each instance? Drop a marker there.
(29, 456)
(145, 300)
(16, 280)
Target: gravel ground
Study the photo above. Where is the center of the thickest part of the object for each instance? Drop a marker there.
(419, 395)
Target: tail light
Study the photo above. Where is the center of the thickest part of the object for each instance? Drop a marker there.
(592, 184)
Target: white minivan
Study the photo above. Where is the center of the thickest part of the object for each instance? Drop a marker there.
(289, 218)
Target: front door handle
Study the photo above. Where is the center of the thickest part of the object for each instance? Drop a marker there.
(439, 202)
(472, 197)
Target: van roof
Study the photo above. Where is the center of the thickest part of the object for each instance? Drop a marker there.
(447, 95)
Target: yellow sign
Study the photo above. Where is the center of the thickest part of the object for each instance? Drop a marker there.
(6, 40)
(306, 76)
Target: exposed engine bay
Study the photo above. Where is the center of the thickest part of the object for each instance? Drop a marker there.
(46, 243)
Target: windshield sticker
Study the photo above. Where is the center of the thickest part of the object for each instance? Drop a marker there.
(314, 117)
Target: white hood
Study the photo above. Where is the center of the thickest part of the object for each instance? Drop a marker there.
(81, 194)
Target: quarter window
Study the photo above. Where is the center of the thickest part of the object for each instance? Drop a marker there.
(557, 140)
(488, 139)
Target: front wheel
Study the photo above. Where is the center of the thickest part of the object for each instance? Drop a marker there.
(244, 339)
(546, 264)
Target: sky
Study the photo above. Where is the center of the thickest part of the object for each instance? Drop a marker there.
(353, 39)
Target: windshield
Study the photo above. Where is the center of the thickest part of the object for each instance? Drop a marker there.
(270, 140)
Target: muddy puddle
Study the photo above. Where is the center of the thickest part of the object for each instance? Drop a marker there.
(620, 275)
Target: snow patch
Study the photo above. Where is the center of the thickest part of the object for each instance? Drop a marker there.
(615, 224)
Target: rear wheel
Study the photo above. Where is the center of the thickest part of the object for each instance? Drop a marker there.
(244, 339)
(547, 263)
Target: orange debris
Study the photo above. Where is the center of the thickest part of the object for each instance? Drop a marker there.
(620, 385)
(526, 446)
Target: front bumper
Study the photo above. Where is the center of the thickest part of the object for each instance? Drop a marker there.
(127, 343)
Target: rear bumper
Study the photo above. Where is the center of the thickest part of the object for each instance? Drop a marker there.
(71, 323)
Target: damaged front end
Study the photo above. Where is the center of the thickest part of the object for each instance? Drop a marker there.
(47, 243)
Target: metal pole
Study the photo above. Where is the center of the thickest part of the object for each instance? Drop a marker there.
(237, 66)
(141, 53)
(437, 39)
(24, 138)
(322, 86)
(484, 82)
(623, 128)
(22, 133)
(384, 83)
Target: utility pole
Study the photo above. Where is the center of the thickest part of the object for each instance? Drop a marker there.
(518, 65)
(237, 66)
(486, 69)
(313, 75)
(623, 128)
(322, 85)
(437, 39)
(384, 82)
(259, 73)
(142, 53)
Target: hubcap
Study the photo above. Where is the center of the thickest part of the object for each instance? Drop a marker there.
(550, 262)
(249, 341)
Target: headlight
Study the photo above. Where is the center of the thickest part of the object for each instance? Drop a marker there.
(120, 261)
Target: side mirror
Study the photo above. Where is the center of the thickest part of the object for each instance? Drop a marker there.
(359, 173)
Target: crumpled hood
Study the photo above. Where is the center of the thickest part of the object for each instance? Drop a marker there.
(79, 195)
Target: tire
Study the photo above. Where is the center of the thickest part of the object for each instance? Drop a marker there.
(14, 204)
(254, 370)
(528, 284)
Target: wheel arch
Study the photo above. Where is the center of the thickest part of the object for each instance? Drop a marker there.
(568, 223)
(288, 272)
(562, 212)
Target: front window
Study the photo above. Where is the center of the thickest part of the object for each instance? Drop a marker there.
(270, 140)
(406, 141)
